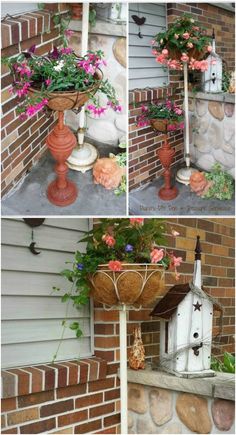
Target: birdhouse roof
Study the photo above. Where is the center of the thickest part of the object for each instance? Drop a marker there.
(168, 304)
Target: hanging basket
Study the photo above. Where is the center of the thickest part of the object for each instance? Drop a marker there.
(162, 124)
(136, 284)
(176, 54)
(67, 100)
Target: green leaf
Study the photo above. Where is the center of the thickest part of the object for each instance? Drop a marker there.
(65, 297)
(79, 333)
(74, 325)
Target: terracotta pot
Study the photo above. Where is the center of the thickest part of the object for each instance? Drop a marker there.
(108, 173)
(77, 10)
(135, 284)
(67, 100)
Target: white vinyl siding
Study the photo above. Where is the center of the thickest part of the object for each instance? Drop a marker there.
(31, 313)
(17, 8)
(144, 71)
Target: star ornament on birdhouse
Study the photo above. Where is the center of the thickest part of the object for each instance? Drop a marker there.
(186, 314)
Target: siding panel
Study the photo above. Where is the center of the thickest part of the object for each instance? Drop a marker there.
(31, 312)
(144, 72)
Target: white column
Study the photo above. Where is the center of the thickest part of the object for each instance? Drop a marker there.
(123, 370)
(186, 115)
(84, 49)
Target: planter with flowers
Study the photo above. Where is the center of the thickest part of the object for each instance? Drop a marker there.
(60, 81)
(123, 268)
(184, 42)
(124, 263)
(184, 45)
(164, 117)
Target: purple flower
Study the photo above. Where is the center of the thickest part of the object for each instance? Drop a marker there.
(80, 266)
(55, 53)
(32, 49)
(129, 248)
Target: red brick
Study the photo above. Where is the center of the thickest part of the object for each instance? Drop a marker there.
(62, 375)
(49, 376)
(101, 410)
(8, 404)
(73, 372)
(39, 427)
(34, 399)
(8, 118)
(56, 408)
(73, 417)
(110, 430)
(87, 401)
(13, 430)
(73, 390)
(103, 384)
(88, 427)
(93, 369)
(23, 381)
(29, 42)
(6, 81)
(112, 394)
(113, 419)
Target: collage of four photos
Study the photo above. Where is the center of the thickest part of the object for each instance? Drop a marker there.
(118, 217)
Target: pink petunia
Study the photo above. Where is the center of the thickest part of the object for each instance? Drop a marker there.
(48, 82)
(156, 255)
(68, 33)
(115, 265)
(176, 261)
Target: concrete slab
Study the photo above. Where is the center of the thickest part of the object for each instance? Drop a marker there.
(145, 201)
(93, 200)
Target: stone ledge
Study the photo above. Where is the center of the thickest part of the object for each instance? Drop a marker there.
(221, 386)
(224, 97)
(100, 28)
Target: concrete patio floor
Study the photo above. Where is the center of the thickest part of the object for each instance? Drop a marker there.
(145, 201)
(30, 197)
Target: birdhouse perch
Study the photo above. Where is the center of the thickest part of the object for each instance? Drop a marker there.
(186, 313)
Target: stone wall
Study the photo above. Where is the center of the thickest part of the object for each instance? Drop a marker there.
(212, 131)
(110, 38)
(155, 410)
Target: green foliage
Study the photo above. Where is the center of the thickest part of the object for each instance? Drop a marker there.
(182, 25)
(227, 365)
(222, 184)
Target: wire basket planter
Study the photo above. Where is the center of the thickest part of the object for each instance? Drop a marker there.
(135, 285)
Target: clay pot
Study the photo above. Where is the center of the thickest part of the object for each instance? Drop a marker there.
(108, 173)
(77, 10)
(135, 284)
(198, 183)
(67, 100)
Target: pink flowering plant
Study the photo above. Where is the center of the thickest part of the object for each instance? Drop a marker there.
(60, 70)
(114, 242)
(184, 41)
(167, 110)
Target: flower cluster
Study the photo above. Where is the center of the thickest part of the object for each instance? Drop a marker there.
(118, 241)
(167, 110)
(183, 42)
(61, 70)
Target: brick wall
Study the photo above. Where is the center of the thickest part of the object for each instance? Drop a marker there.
(23, 143)
(83, 396)
(144, 164)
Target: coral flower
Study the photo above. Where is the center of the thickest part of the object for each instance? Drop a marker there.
(186, 35)
(176, 36)
(109, 240)
(209, 48)
(156, 255)
(165, 52)
(136, 221)
(190, 45)
(115, 265)
(176, 261)
(184, 57)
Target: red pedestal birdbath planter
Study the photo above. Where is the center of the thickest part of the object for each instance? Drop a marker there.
(166, 155)
(61, 141)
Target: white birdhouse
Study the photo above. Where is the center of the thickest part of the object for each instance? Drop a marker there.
(186, 327)
(212, 78)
